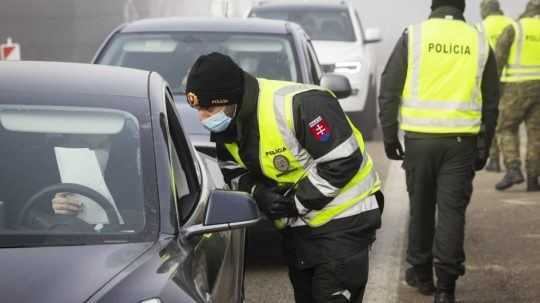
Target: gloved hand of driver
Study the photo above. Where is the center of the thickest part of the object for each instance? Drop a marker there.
(273, 203)
(394, 150)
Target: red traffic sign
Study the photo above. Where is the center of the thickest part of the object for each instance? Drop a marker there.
(10, 51)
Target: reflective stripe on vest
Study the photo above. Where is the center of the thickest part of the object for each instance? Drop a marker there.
(493, 27)
(284, 160)
(524, 61)
(442, 92)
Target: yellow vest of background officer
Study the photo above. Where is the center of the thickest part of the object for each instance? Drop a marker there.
(524, 61)
(493, 27)
(442, 92)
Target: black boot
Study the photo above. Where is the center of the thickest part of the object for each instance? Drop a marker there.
(421, 279)
(446, 288)
(493, 165)
(532, 183)
(443, 296)
(512, 177)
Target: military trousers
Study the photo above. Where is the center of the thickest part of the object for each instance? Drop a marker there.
(439, 175)
(494, 151)
(520, 103)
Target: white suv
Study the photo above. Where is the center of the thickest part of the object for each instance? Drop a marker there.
(342, 46)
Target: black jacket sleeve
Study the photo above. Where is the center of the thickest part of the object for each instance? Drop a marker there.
(323, 131)
(392, 83)
(236, 177)
(490, 99)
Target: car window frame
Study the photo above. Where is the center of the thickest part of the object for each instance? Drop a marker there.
(296, 55)
(315, 65)
(178, 139)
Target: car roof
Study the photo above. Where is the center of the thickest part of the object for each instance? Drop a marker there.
(75, 78)
(200, 24)
(300, 6)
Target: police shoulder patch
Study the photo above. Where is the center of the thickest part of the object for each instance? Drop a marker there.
(320, 129)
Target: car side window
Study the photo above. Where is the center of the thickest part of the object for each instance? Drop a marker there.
(315, 67)
(185, 176)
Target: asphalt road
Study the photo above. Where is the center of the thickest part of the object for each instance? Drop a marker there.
(502, 246)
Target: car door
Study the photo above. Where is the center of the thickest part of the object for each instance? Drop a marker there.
(216, 258)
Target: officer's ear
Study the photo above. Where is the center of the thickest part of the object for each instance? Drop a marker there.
(230, 110)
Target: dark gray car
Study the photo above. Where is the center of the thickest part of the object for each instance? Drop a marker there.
(152, 227)
(271, 49)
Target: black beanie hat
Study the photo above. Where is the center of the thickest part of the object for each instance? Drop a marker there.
(459, 4)
(214, 80)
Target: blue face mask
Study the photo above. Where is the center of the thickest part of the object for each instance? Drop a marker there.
(217, 122)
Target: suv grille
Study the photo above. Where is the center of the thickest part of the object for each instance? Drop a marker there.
(328, 68)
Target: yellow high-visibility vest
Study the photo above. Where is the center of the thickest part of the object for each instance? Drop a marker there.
(285, 161)
(524, 61)
(442, 92)
(493, 27)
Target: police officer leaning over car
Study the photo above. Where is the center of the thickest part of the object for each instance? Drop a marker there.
(442, 83)
(293, 148)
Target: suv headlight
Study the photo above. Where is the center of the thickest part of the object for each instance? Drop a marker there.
(348, 67)
(153, 300)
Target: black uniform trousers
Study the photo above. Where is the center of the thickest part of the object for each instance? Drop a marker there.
(338, 281)
(439, 173)
(330, 263)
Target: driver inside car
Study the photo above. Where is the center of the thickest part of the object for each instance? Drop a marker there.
(71, 204)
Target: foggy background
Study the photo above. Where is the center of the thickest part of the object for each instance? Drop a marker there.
(72, 30)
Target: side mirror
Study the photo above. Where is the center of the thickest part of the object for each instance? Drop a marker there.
(373, 35)
(226, 210)
(338, 84)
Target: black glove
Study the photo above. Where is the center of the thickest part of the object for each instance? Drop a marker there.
(273, 204)
(481, 152)
(480, 163)
(481, 159)
(393, 150)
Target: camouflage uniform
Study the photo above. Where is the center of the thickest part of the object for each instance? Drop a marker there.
(520, 102)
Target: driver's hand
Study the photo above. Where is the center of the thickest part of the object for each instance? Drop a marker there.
(66, 204)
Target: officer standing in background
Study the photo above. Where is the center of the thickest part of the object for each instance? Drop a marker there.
(441, 81)
(493, 24)
(518, 54)
(273, 136)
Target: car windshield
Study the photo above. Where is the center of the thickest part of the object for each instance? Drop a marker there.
(327, 24)
(70, 175)
(173, 54)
